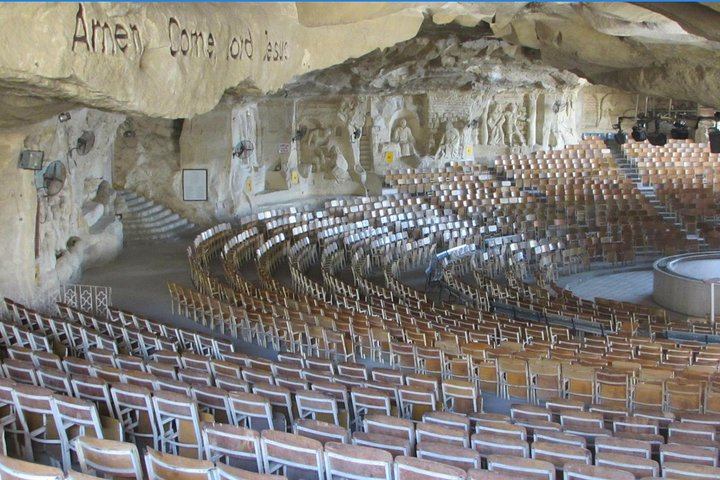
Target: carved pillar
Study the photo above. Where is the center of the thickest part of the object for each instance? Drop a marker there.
(532, 118)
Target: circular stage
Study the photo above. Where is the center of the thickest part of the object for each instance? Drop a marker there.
(682, 282)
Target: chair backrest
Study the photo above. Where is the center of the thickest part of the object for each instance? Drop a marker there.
(689, 471)
(527, 468)
(56, 380)
(624, 446)
(490, 444)
(448, 419)
(139, 378)
(448, 454)
(461, 396)
(214, 401)
(321, 431)
(369, 400)
(394, 445)
(414, 396)
(640, 467)
(233, 445)
(442, 434)
(411, 468)
(250, 410)
(352, 461)
(231, 384)
(163, 466)
(678, 453)
(14, 469)
(578, 471)
(559, 454)
(20, 371)
(310, 404)
(31, 399)
(503, 429)
(108, 457)
(282, 450)
(392, 426)
(95, 390)
(176, 407)
(475, 474)
(225, 472)
(133, 407)
(79, 415)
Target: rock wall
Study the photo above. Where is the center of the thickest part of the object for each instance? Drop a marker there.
(170, 60)
(48, 237)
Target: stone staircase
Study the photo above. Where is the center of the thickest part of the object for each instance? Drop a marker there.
(632, 173)
(147, 221)
(366, 159)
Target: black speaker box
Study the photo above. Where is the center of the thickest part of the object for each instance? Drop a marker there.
(714, 138)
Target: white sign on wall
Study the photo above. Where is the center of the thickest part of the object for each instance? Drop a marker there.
(194, 184)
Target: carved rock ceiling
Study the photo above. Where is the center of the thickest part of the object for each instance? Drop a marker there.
(663, 49)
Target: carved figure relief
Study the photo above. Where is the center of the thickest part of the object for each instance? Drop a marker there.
(513, 121)
(318, 142)
(292, 174)
(352, 114)
(403, 136)
(496, 122)
(450, 148)
(338, 162)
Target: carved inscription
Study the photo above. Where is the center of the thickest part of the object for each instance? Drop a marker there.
(103, 37)
(183, 40)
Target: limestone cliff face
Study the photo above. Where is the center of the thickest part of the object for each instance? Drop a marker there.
(176, 60)
(48, 237)
(164, 59)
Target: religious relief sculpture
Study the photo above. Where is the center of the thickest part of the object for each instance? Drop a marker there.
(318, 142)
(352, 114)
(561, 125)
(402, 135)
(513, 121)
(292, 174)
(496, 124)
(338, 161)
(450, 144)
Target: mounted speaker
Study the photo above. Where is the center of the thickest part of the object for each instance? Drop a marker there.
(714, 139)
(31, 159)
(657, 139)
(85, 143)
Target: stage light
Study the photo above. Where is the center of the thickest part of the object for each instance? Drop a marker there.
(64, 117)
(639, 134)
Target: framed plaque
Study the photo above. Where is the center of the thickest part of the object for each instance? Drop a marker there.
(194, 184)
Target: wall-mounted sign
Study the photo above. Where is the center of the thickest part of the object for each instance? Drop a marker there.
(194, 184)
(284, 148)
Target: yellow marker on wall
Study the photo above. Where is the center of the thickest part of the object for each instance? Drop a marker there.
(468, 151)
(248, 185)
(389, 157)
(295, 177)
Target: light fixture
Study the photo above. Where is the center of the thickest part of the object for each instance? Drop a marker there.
(31, 159)
(64, 117)
(680, 128)
(129, 133)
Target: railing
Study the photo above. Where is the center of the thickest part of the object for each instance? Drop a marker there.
(88, 298)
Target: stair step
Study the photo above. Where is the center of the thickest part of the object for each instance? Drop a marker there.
(147, 221)
(146, 211)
